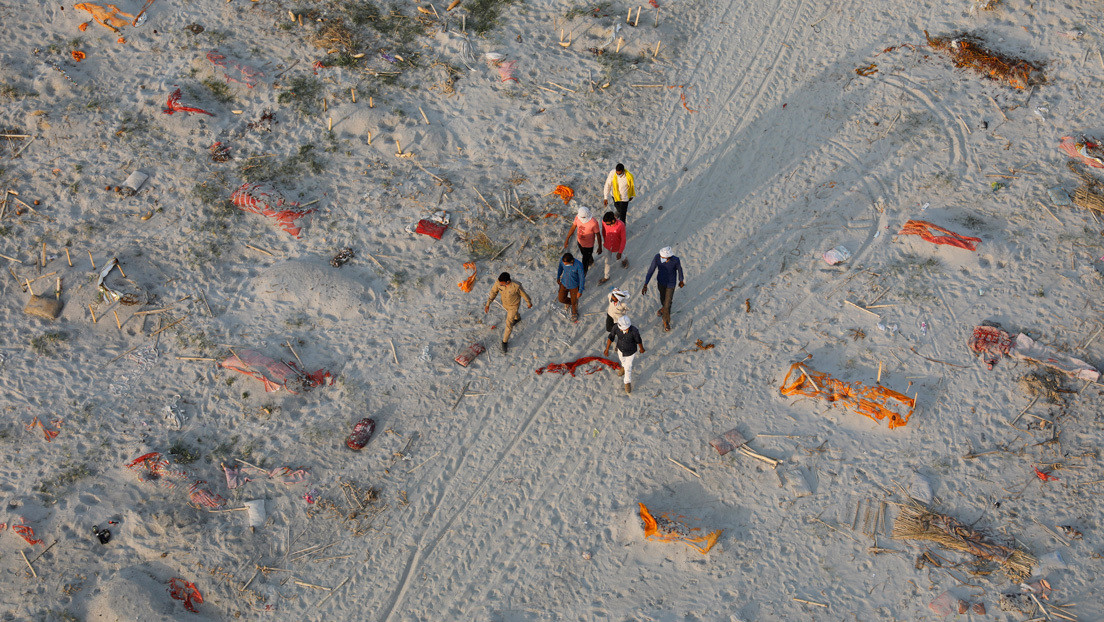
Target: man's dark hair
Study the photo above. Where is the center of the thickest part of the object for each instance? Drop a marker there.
(567, 257)
(620, 167)
(609, 218)
(504, 277)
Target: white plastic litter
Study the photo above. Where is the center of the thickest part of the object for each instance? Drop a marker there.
(837, 255)
(135, 181)
(256, 511)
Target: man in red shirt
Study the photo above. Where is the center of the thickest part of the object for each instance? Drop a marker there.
(613, 239)
(586, 229)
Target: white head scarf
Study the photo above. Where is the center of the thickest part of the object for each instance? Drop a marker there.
(620, 295)
(624, 322)
(666, 252)
(584, 214)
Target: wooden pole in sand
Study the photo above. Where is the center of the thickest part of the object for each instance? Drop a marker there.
(656, 50)
(93, 312)
(68, 258)
(92, 260)
(398, 146)
(637, 20)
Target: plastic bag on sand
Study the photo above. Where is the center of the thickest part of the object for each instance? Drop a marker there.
(666, 528)
(837, 255)
(256, 511)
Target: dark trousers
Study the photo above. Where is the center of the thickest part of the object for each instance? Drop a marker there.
(666, 299)
(609, 323)
(621, 207)
(587, 257)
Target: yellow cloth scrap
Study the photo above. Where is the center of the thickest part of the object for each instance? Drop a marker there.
(111, 17)
(664, 528)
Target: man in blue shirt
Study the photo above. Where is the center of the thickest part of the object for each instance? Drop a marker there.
(572, 280)
(670, 273)
(628, 341)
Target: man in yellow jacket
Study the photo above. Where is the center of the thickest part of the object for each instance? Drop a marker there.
(620, 186)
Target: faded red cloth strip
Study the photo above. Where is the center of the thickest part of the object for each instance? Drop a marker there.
(924, 229)
(569, 367)
(173, 105)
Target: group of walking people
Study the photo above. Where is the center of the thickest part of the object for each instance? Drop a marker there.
(593, 238)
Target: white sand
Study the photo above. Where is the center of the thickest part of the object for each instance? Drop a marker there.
(519, 502)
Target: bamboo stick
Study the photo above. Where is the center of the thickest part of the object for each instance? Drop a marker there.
(684, 467)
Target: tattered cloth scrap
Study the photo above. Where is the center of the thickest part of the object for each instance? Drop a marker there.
(924, 229)
(275, 374)
(1086, 150)
(570, 366)
(153, 467)
(992, 343)
(235, 72)
(917, 522)
(261, 199)
(467, 284)
(875, 402)
(110, 17)
(666, 528)
(239, 475)
(173, 105)
(186, 591)
(565, 193)
(506, 71)
(23, 530)
(468, 354)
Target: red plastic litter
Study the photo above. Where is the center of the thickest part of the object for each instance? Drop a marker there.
(469, 353)
(26, 532)
(186, 591)
(174, 105)
(361, 434)
(924, 229)
(431, 228)
(1046, 477)
(265, 201)
(569, 367)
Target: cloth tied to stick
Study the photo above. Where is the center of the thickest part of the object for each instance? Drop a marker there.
(924, 229)
(876, 402)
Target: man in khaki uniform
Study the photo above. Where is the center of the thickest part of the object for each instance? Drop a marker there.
(512, 294)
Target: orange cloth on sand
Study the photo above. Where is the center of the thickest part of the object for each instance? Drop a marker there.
(924, 229)
(873, 402)
(664, 528)
(565, 192)
(110, 17)
(467, 284)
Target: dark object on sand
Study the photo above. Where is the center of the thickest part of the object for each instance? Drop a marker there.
(342, 257)
(103, 535)
(361, 434)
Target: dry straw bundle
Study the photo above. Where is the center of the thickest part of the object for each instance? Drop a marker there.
(966, 50)
(1090, 195)
(917, 522)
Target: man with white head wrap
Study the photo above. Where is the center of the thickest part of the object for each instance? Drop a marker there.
(616, 308)
(588, 234)
(670, 274)
(629, 343)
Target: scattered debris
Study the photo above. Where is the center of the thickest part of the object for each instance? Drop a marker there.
(1086, 150)
(665, 528)
(255, 510)
(967, 50)
(1046, 384)
(867, 71)
(924, 229)
(342, 257)
(110, 17)
(571, 366)
(264, 122)
(220, 152)
(916, 522)
(734, 440)
(235, 72)
(873, 402)
(698, 345)
(261, 199)
(434, 226)
(995, 342)
(565, 193)
(195, 29)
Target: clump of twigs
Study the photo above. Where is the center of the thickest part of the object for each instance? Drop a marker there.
(475, 238)
(335, 36)
(1090, 194)
(967, 50)
(917, 522)
(355, 507)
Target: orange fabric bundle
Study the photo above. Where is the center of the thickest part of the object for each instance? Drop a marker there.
(873, 402)
(467, 284)
(565, 193)
(110, 17)
(186, 591)
(924, 229)
(77, 55)
(663, 528)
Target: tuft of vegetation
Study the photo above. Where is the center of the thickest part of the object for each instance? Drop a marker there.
(303, 92)
(595, 9)
(219, 90)
(44, 344)
(303, 162)
(485, 14)
(182, 453)
(69, 474)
